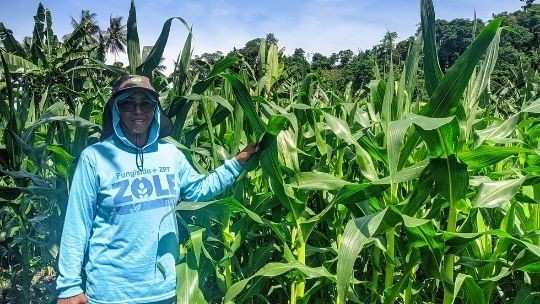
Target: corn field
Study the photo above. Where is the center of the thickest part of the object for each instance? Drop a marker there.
(382, 195)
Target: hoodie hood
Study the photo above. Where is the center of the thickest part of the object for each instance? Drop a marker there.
(153, 132)
(130, 83)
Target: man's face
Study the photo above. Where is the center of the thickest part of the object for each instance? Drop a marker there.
(137, 112)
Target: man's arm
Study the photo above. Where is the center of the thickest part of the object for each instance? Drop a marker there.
(76, 232)
(199, 187)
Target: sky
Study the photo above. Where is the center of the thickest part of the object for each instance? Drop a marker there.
(324, 26)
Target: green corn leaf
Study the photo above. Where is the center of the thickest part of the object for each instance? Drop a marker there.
(215, 98)
(224, 64)
(341, 129)
(396, 133)
(318, 181)
(187, 272)
(269, 155)
(12, 193)
(526, 295)
(81, 134)
(276, 124)
(304, 96)
(62, 159)
(349, 194)
(182, 66)
(154, 57)
(493, 194)
(261, 58)
(485, 156)
(404, 175)
(447, 94)
(443, 141)
(460, 239)
(133, 46)
(276, 269)
(356, 193)
(451, 178)
(36, 179)
(407, 82)
(498, 132)
(73, 120)
(421, 192)
(390, 294)
(533, 107)
(432, 69)
(473, 262)
(475, 293)
(486, 68)
(272, 67)
(388, 112)
(358, 233)
(243, 97)
(431, 246)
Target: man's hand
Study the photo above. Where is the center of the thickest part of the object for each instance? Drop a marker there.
(78, 299)
(246, 153)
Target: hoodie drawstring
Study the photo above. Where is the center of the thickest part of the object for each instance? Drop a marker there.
(139, 153)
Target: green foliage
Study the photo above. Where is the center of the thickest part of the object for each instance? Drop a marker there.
(345, 202)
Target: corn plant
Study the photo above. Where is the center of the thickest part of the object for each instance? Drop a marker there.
(369, 196)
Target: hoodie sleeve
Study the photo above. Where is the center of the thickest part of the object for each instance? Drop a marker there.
(198, 187)
(77, 227)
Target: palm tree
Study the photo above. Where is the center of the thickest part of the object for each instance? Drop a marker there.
(116, 36)
(91, 28)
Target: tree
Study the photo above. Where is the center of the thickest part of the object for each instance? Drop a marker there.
(342, 58)
(359, 70)
(527, 4)
(203, 64)
(453, 37)
(520, 44)
(116, 36)
(320, 62)
(91, 28)
(402, 49)
(250, 51)
(271, 39)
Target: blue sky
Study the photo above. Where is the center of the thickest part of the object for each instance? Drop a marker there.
(324, 26)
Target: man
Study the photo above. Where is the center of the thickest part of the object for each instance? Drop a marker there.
(123, 187)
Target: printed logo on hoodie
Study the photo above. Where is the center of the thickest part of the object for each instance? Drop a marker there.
(141, 190)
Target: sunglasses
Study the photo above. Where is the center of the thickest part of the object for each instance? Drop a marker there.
(129, 106)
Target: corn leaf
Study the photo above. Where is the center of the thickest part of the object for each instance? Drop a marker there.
(485, 156)
(474, 291)
(154, 57)
(432, 69)
(276, 269)
(493, 194)
(133, 46)
(448, 93)
(318, 181)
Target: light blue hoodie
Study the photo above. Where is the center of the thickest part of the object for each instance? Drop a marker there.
(113, 218)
